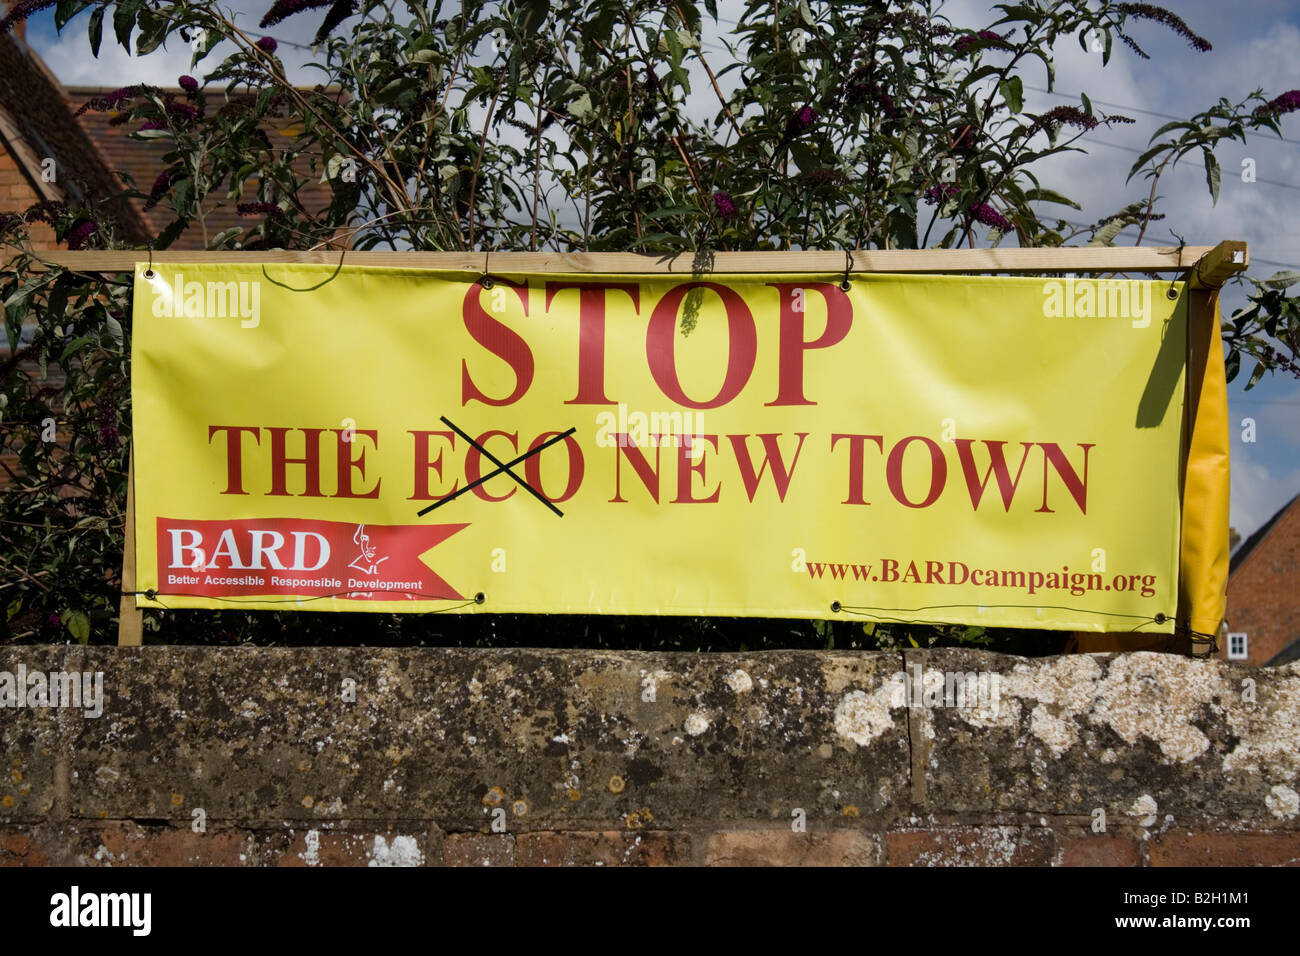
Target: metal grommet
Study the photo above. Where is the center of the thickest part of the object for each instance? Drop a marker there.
(151, 594)
(148, 273)
(835, 606)
(1160, 618)
(480, 597)
(846, 285)
(1171, 293)
(486, 282)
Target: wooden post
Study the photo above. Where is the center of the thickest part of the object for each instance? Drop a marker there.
(130, 621)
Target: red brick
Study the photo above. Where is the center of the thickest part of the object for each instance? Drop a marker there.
(975, 846)
(131, 845)
(786, 848)
(607, 848)
(1101, 849)
(478, 849)
(20, 849)
(1262, 599)
(1205, 848)
(350, 848)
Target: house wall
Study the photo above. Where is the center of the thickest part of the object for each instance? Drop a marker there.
(1264, 591)
(18, 195)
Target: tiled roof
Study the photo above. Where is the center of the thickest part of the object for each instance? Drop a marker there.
(142, 160)
(1249, 545)
(1285, 656)
(32, 102)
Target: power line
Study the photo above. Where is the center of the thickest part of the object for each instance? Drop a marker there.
(1253, 259)
(1133, 149)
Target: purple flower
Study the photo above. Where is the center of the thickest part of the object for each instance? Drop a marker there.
(110, 101)
(1288, 102)
(824, 177)
(258, 209)
(990, 216)
(183, 110)
(860, 92)
(188, 83)
(968, 40)
(725, 205)
(283, 9)
(1149, 11)
(22, 11)
(80, 234)
(160, 186)
(1067, 115)
(152, 124)
(53, 620)
(937, 194)
(802, 120)
(107, 422)
(267, 44)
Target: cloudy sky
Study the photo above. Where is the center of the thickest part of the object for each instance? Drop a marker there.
(1256, 44)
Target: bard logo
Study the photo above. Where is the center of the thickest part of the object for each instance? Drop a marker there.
(263, 550)
(208, 300)
(300, 557)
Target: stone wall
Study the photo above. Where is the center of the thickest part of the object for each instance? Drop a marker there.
(457, 756)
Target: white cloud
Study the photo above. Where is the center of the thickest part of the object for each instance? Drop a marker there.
(1258, 491)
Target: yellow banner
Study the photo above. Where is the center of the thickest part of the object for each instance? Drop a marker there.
(969, 450)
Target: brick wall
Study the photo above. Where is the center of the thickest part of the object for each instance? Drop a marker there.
(17, 195)
(357, 756)
(1264, 591)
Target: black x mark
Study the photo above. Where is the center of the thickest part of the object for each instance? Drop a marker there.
(501, 467)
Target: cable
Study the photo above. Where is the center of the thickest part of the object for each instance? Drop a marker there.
(156, 596)
(1253, 259)
(1133, 149)
(864, 611)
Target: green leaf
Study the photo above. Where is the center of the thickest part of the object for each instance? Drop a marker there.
(1048, 195)
(1087, 103)
(1232, 365)
(1283, 279)
(96, 30)
(124, 21)
(581, 108)
(78, 624)
(1105, 236)
(1142, 160)
(14, 607)
(224, 236)
(63, 12)
(1256, 375)
(1211, 173)
(395, 89)
(1012, 91)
